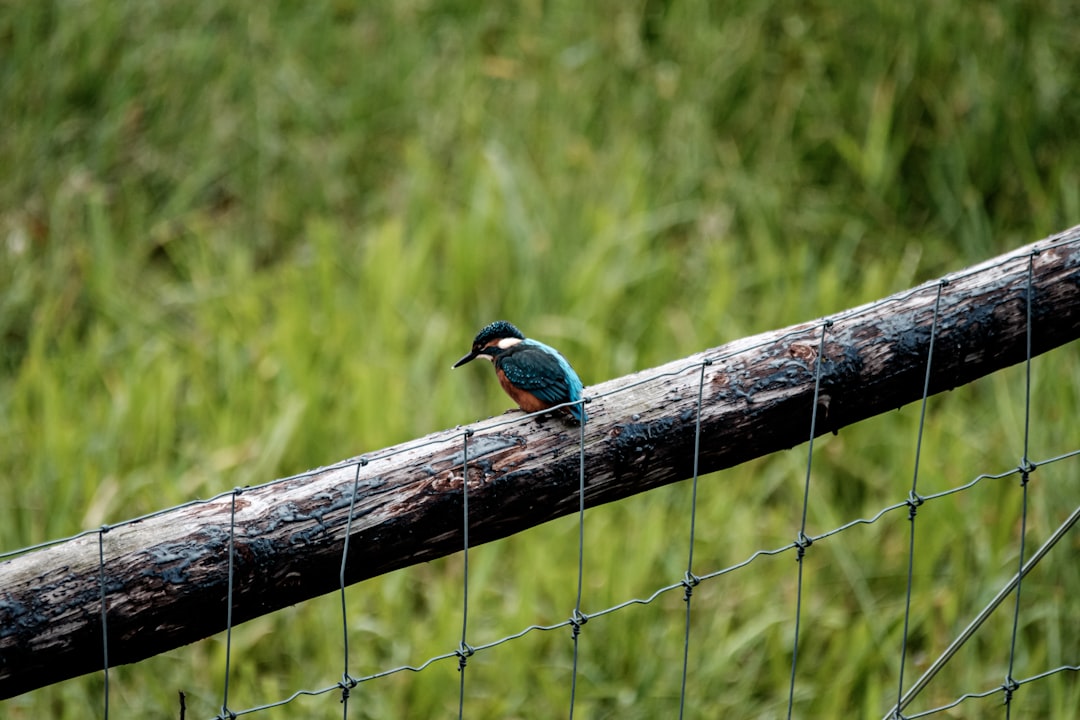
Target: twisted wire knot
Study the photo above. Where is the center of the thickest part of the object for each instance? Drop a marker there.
(577, 620)
(689, 582)
(802, 542)
(914, 500)
(464, 652)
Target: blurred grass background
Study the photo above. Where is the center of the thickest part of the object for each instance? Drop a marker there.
(244, 239)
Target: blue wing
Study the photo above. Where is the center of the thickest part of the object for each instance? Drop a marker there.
(540, 369)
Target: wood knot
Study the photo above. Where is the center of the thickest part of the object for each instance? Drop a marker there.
(805, 352)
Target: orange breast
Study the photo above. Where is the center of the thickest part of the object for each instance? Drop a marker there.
(525, 399)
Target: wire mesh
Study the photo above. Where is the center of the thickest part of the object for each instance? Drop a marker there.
(690, 580)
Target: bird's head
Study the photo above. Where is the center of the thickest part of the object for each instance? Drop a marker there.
(492, 340)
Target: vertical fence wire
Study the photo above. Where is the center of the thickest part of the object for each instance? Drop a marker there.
(914, 500)
(802, 542)
(347, 681)
(464, 651)
(104, 621)
(1010, 686)
(578, 619)
(690, 580)
(225, 712)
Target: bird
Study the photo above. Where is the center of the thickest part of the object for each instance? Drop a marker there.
(535, 376)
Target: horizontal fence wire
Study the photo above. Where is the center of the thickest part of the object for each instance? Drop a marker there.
(993, 691)
(690, 580)
(648, 600)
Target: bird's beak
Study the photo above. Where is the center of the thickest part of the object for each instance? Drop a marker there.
(465, 359)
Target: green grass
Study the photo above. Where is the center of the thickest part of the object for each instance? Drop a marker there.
(240, 241)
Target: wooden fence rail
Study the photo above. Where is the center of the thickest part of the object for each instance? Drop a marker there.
(166, 576)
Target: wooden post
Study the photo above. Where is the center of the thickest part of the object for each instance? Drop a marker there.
(166, 575)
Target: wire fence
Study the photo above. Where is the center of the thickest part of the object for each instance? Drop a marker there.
(694, 576)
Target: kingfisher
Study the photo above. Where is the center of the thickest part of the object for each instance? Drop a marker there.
(536, 376)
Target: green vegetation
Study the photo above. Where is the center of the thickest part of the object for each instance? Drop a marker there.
(240, 240)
